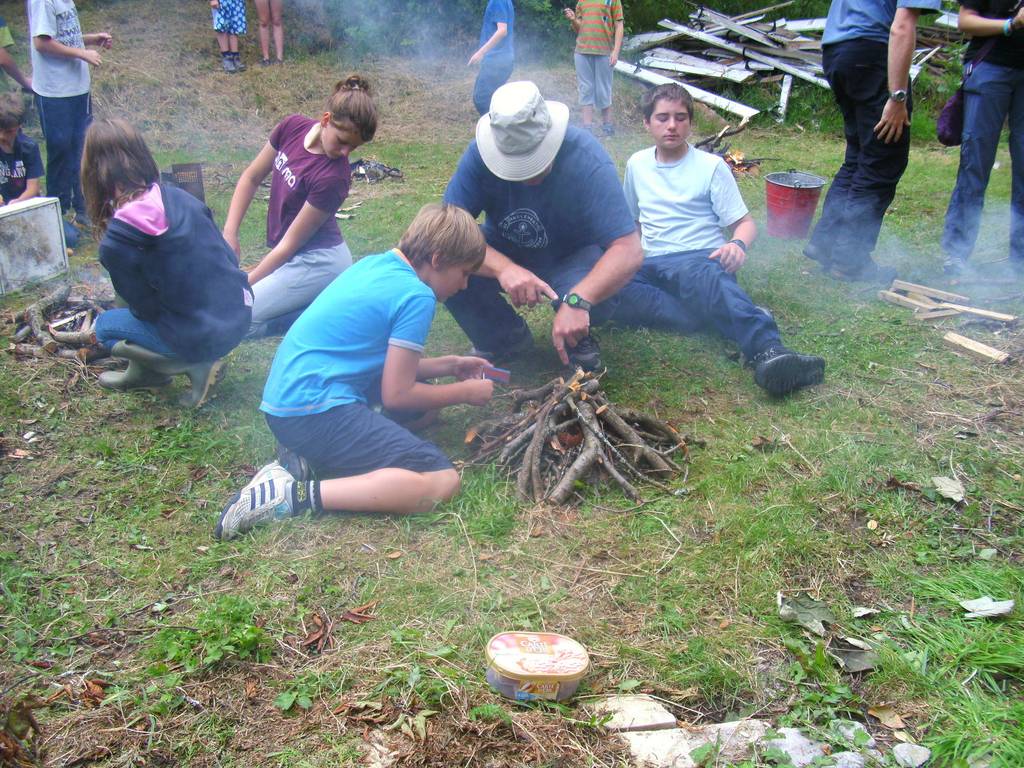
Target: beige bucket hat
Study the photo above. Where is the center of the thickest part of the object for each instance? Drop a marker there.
(522, 133)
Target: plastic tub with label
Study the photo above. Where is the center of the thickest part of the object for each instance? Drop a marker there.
(535, 665)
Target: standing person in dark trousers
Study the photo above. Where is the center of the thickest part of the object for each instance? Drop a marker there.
(866, 52)
(993, 91)
(60, 78)
(496, 54)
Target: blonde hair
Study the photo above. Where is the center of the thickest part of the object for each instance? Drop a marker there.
(12, 111)
(352, 100)
(449, 232)
(116, 167)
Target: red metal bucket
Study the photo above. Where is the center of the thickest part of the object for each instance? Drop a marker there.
(792, 198)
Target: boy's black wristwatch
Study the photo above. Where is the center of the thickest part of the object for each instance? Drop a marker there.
(576, 301)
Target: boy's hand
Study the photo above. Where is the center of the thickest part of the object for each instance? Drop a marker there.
(730, 256)
(570, 14)
(475, 58)
(478, 391)
(215, 3)
(103, 39)
(464, 368)
(90, 57)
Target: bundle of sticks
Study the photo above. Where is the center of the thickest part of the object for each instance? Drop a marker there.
(569, 431)
(60, 325)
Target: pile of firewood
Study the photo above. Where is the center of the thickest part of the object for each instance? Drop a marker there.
(60, 325)
(569, 431)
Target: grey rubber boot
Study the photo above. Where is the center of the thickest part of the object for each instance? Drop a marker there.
(135, 376)
(200, 375)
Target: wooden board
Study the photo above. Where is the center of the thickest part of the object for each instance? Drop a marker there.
(714, 100)
(744, 51)
(924, 290)
(975, 348)
(664, 58)
(935, 314)
(986, 313)
(905, 301)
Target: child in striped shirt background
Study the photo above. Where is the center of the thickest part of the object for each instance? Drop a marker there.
(598, 25)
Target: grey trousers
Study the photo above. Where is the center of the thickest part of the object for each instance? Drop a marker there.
(292, 287)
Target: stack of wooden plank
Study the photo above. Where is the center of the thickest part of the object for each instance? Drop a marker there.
(930, 304)
(712, 50)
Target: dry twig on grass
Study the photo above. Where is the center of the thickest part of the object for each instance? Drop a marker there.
(567, 431)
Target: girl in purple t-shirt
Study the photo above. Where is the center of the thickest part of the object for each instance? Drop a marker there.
(309, 162)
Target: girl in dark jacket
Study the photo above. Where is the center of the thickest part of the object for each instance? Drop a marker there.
(189, 304)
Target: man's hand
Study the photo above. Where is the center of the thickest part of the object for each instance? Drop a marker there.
(524, 287)
(731, 257)
(475, 59)
(569, 327)
(465, 367)
(477, 391)
(894, 120)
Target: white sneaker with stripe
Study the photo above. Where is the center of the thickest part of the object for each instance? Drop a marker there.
(268, 496)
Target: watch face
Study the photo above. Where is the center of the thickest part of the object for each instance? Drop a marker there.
(573, 300)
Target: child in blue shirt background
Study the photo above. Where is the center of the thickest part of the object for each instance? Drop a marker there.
(358, 344)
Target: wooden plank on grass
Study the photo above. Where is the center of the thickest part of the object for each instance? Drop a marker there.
(744, 51)
(986, 313)
(924, 290)
(935, 314)
(787, 86)
(652, 78)
(975, 348)
(905, 301)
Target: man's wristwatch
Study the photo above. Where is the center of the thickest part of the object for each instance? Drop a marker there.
(576, 301)
(900, 96)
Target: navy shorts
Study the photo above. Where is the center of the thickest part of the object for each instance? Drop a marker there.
(352, 440)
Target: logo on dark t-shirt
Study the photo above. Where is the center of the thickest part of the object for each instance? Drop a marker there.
(523, 227)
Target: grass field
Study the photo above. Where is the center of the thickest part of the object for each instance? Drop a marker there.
(173, 649)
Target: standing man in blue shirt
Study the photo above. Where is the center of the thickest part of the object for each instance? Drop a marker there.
(866, 53)
(496, 52)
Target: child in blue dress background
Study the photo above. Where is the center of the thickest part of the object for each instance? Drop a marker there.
(229, 23)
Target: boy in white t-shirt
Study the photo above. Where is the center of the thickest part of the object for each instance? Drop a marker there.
(61, 56)
(683, 199)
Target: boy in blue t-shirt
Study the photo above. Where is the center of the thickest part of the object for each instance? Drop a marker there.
(361, 343)
(496, 54)
(21, 166)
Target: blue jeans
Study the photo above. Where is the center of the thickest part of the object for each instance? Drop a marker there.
(494, 71)
(120, 324)
(683, 292)
(991, 93)
(865, 184)
(64, 122)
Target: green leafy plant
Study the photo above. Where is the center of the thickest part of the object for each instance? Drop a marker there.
(226, 630)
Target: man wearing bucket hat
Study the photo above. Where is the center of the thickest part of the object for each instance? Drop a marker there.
(866, 53)
(683, 199)
(557, 228)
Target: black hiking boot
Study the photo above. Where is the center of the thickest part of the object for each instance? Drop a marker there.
(779, 370)
(586, 354)
(517, 346)
(868, 272)
(297, 466)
